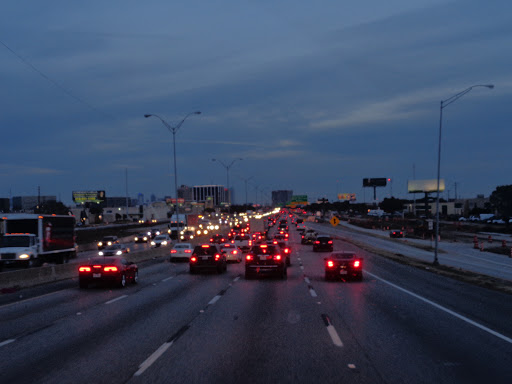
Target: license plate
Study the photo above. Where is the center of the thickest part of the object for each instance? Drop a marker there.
(263, 257)
(343, 272)
(96, 275)
(204, 258)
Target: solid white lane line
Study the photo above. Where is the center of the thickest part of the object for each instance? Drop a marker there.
(167, 279)
(236, 278)
(214, 300)
(449, 311)
(7, 342)
(116, 299)
(334, 336)
(312, 292)
(151, 359)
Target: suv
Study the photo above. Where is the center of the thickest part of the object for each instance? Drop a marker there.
(265, 259)
(106, 241)
(323, 243)
(207, 256)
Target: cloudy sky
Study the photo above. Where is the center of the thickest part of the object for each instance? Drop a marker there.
(314, 96)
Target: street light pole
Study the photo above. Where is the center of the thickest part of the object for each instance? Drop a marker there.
(444, 104)
(173, 130)
(228, 167)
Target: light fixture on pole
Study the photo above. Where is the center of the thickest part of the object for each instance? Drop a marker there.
(228, 167)
(444, 104)
(173, 130)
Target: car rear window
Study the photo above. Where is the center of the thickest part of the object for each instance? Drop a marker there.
(198, 250)
(343, 256)
(181, 246)
(259, 250)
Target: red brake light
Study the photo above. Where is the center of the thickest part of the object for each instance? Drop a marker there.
(235, 252)
(211, 240)
(357, 264)
(329, 242)
(330, 264)
(188, 251)
(263, 246)
(193, 259)
(317, 242)
(248, 257)
(84, 269)
(110, 269)
(174, 251)
(217, 256)
(205, 246)
(286, 250)
(277, 257)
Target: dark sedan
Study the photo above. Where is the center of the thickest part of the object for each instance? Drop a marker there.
(265, 259)
(323, 243)
(112, 270)
(114, 250)
(396, 233)
(343, 265)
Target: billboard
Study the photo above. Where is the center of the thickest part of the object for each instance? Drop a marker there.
(346, 196)
(81, 197)
(375, 182)
(420, 186)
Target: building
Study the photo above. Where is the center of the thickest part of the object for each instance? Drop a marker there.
(281, 198)
(29, 203)
(111, 202)
(186, 193)
(5, 205)
(211, 195)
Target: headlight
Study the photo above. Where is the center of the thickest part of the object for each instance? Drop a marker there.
(119, 253)
(136, 239)
(145, 238)
(205, 232)
(100, 253)
(191, 237)
(198, 232)
(24, 256)
(164, 242)
(153, 243)
(100, 244)
(216, 227)
(109, 243)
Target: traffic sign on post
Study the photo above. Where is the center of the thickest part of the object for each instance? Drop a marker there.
(334, 221)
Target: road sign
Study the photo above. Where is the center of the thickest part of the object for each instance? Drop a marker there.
(334, 221)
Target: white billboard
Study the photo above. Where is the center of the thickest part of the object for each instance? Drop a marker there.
(419, 186)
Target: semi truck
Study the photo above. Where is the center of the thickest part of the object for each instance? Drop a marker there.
(31, 239)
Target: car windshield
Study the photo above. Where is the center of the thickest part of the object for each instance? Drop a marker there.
(160, 237)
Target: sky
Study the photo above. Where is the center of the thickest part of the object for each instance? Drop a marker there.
(312, 96)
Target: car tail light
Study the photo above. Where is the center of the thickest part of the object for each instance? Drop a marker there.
(286, 250)
(217, 256)
(330, 263)
(193, 259)
(174, 251)
(84, 269)
(264, 246)
(248, 257)
(96, 266)
(329, 242)
(211, 240)
(205, 246)
(317, 242)
(277, 257)
(188, 251)
(110, 269)
(235, 252)
(357, 264)
(250, 242)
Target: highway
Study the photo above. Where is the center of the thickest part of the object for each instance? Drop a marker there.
(399, 325)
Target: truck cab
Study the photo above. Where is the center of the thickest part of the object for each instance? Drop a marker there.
(19, 248)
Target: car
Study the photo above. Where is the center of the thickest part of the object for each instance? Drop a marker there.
(161, 241)
(181, 251)
(154, 233)
(308, 237)
(106, 241)
(141, 238)
(207, 257)
(344, 265)
(218, 239)
(186, 235)
(244, 242)
(232, 252)
(114, 250)
(301, 227)
(323, 243)
(396, 233)
(265, 259)
(286, 249)
(112, 270)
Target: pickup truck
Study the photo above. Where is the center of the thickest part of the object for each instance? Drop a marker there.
(243, 242)
(308, 237)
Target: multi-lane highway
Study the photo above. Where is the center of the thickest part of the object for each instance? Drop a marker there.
(399, 325)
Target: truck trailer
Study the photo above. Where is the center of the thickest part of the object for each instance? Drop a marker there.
(31, 239)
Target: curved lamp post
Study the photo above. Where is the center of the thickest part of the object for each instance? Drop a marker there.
(173, 130)
(228, 167)
(444, 104)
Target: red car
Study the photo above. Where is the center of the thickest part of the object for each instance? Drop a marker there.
(343, 265)
(112, 270)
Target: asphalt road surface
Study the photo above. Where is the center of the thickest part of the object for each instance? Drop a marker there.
(399, 325)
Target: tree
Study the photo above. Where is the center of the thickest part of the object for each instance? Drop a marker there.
(393, 205)
(52, 207)
(501, 200)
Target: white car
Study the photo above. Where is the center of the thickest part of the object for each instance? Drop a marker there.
(232, 252)
(161, 241)
(181, 251)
